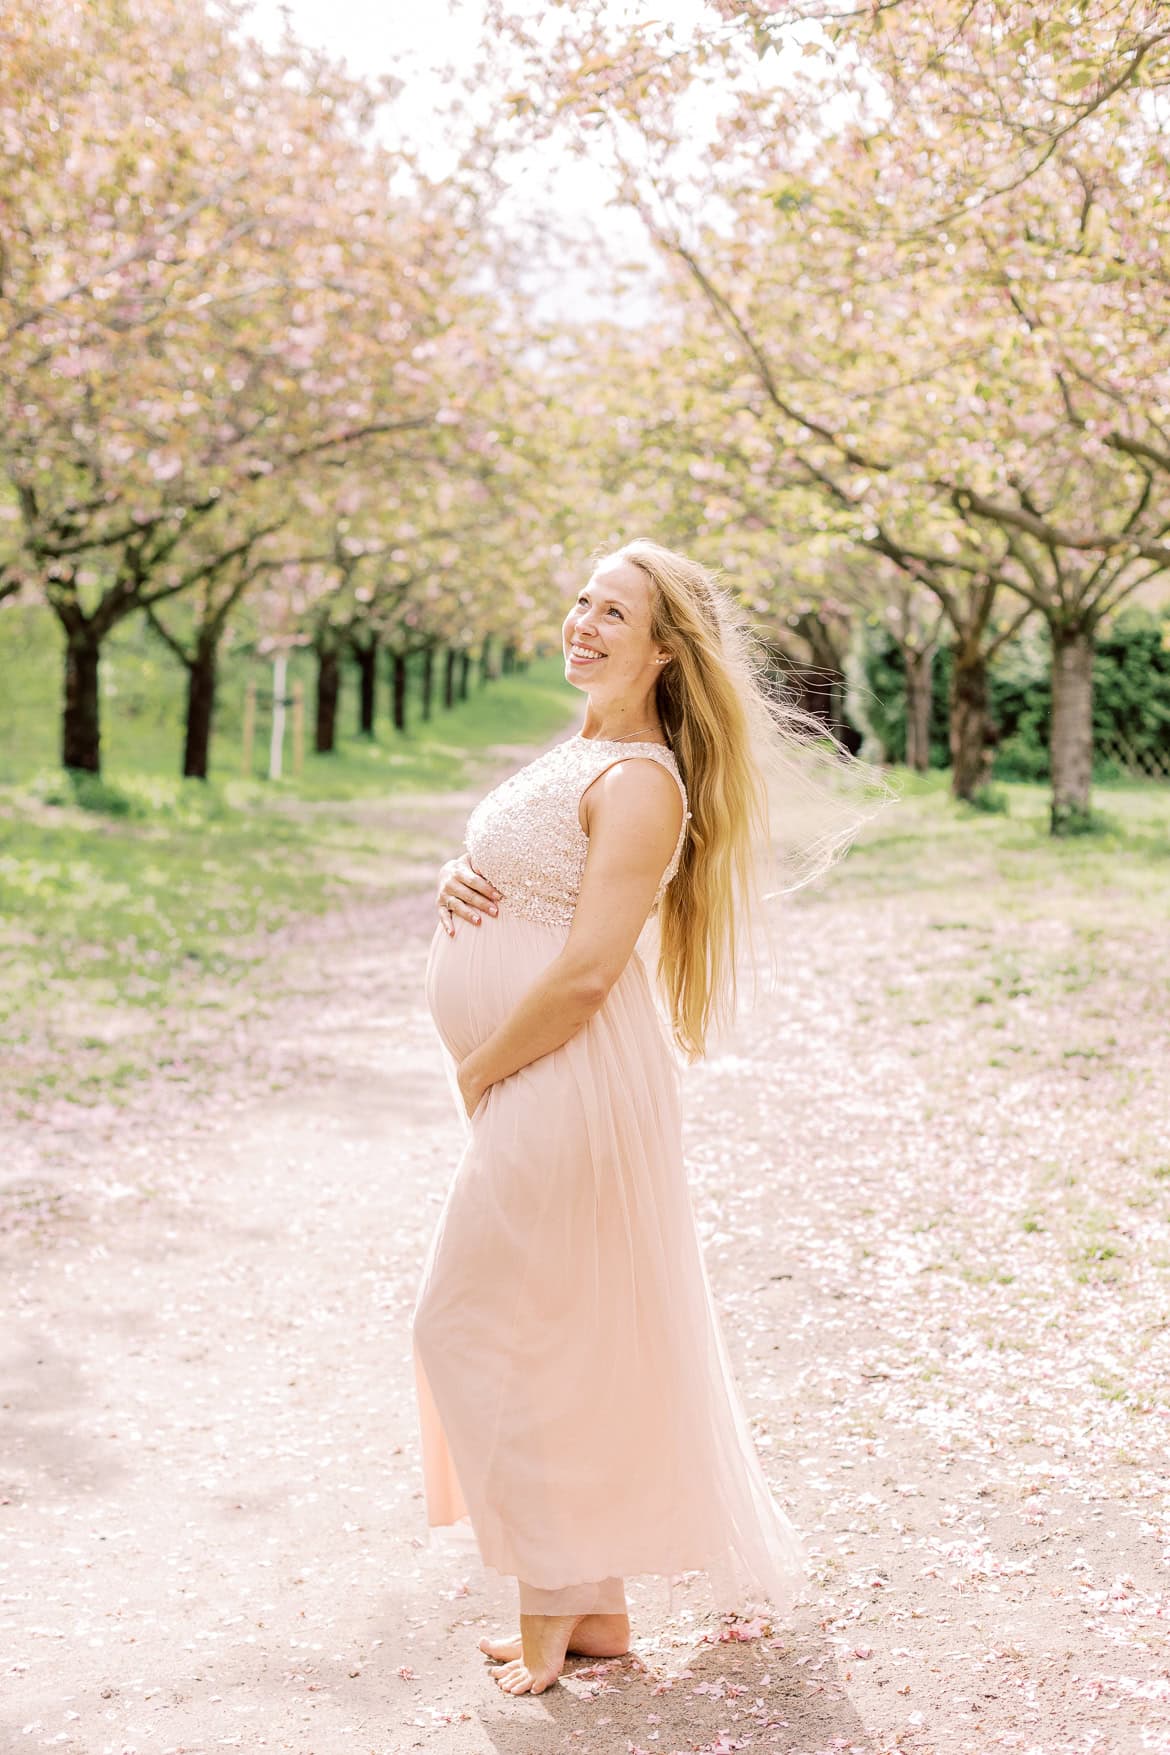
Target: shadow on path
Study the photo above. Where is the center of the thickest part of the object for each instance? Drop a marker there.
(719, 1697)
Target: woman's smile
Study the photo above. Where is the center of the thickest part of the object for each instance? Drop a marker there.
(579, 654)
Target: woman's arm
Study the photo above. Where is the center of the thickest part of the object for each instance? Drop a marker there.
(633, 812)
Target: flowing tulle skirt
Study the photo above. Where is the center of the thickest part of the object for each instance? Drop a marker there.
(576, 1402)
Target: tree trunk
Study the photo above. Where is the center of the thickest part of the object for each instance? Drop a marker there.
(919, 698)
(821, 692)
(81, 726)
(826, 681)
(398, 684)
(328, 689)
(367, 663)
(428, 680)
(508, 663)
(464, 672)
(969, 724)
(201, 680)
(1070, 745)
(485, 662)
(838, 724)
(449, 677)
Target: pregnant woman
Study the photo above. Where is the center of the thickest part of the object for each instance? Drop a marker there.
(576, 1402)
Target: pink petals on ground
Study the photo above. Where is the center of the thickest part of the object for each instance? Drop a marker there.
(745, 1630)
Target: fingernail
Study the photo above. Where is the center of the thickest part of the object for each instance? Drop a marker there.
(492, 909)
(475, 917)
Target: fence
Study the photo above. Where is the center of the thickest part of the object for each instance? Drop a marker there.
(1134, 763)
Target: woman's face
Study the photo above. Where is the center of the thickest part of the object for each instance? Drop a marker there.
(606, 634)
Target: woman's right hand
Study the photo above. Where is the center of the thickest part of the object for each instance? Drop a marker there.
(465, 891)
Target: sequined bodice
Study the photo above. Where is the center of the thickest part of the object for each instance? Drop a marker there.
(526, 836)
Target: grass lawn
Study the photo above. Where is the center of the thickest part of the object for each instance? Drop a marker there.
(1007, 859)
(142, 712)
(124, 896)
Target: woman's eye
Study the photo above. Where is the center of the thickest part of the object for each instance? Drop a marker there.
(615, 611)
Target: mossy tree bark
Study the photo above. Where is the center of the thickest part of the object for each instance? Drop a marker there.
(426, 704)
(202, 674)
(919, 703)
(365, 654)
(1071, 729)
(328, 692)
(398, 678)
(81, 720)
(969, 722)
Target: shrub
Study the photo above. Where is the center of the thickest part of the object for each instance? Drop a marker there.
(883, 673)
(1131, 698)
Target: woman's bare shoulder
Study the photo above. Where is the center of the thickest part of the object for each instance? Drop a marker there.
(635, 792)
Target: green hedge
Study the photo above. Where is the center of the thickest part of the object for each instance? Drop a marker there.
(1131, 696)
(885, 705)
(1019, 689)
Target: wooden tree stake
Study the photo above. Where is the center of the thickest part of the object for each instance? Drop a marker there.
(298, 707)
(279, 703)
(249, 734)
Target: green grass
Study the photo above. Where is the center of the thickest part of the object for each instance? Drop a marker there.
(174, 866)
(142, 708)
(126, 905)
(927, 842)
(124, 893)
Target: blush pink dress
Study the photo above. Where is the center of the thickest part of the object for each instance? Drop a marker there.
(579, 1416)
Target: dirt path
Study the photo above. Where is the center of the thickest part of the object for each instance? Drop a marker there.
(943, 1279)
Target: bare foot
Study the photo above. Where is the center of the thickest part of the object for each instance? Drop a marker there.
(593, 1636)
(537, 1657)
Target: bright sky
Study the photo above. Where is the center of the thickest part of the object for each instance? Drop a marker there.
(412, 39)
(417, 40)
(432, 46)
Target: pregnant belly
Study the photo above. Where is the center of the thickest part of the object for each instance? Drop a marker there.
(476, 978)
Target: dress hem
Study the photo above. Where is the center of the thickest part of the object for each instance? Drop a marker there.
(715, 1569)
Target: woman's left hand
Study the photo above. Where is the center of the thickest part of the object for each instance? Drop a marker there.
(471, 1089)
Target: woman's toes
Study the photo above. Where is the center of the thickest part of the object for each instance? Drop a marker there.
(513, 1678)
(502, 1650)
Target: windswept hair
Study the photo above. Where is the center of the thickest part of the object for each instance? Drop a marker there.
(745, 756)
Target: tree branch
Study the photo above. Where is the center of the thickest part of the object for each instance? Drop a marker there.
(732, 321)
(136, 254)
(1010, 631)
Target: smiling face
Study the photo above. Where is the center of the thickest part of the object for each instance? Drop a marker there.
(606, 636)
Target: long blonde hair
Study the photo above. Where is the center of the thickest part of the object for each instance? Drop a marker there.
(732, 736)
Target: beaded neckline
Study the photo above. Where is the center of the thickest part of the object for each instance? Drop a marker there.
(639, 743)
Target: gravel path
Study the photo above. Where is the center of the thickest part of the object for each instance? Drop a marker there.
(943, 1273)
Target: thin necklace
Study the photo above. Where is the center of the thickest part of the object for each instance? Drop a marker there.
(623, 739)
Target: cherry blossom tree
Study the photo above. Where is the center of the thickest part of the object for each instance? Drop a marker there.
(208, 281)
(935, 243)
(209, 608)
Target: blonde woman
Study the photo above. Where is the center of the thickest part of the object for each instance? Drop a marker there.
(577, 1407)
